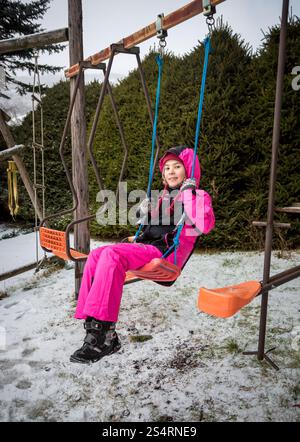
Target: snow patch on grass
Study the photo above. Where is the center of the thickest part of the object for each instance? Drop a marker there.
(191, 369)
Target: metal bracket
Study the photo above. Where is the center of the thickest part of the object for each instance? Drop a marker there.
(118, 48)
(208, 8)
(160, 32)
(88, 65)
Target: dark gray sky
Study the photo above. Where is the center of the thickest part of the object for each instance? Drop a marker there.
(108, 21)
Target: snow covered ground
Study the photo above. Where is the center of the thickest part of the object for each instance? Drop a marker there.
(191, 368)
(18, 248)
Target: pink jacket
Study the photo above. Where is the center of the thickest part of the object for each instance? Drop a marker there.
(198, 208)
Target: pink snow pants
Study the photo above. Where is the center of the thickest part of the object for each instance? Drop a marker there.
(104, 275)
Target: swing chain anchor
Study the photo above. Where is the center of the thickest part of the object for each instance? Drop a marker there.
(208, 11)
(161, 33)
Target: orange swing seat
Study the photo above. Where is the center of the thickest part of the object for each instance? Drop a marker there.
(158, 269)
(55, 241)
(225, 302)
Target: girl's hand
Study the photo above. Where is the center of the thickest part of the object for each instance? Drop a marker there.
(189, 183)
(144, 207)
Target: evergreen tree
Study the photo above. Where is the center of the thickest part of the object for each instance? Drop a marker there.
(18, 19)
(260, 131)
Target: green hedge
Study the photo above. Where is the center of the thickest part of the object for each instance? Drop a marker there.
(235, 142)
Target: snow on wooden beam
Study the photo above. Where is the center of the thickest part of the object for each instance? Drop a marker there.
(7, 153)
(34, 40)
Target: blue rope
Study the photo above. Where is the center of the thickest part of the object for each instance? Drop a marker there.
(175, 244)
(207, 45)
(159, 62)
(138, 232)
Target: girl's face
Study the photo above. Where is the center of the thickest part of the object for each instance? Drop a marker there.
(174, 173)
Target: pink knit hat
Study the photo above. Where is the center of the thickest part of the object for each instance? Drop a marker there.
(170, 156)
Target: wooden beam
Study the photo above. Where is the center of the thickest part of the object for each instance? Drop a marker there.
(23, 269)
(291, 209)
(275, 224)
(18, 271)
(34, 41)
(7, 153)
(174, 18)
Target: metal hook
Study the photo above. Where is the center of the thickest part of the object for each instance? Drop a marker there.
(161, 33)
(208, 11)
(162, 45)
(210, 21)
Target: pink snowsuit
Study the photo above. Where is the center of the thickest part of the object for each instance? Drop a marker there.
(105, 269)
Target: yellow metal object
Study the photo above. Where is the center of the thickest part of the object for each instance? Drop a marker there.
(12, 182)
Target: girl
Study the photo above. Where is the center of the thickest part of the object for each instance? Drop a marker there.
(105, 270)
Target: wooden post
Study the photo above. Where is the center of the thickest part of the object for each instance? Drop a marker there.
(10, 142)
(78, 132)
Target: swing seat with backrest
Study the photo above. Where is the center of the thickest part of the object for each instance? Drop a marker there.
(54, 241)
(158, 269)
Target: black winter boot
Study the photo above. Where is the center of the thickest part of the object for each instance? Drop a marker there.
(101, 340)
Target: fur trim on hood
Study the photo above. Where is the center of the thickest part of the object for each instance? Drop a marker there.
(186, 155)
